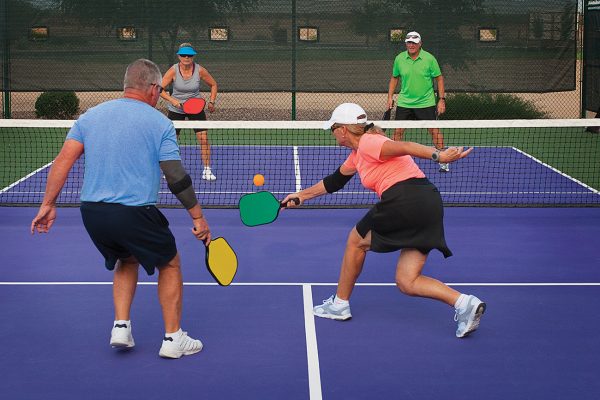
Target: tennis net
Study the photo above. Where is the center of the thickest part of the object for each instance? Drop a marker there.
(519, 163)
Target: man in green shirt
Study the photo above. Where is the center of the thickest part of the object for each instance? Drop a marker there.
(416, 100)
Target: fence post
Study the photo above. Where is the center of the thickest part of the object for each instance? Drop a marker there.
(6, 61)
(583, 80)
(294, 37)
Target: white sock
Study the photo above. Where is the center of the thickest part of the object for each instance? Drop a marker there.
(175, 335)
(461, 303)
(339, 302)
(207, 167)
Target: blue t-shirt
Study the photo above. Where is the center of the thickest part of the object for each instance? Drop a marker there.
(124, 140)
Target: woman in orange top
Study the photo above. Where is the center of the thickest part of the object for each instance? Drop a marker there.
(408, 217)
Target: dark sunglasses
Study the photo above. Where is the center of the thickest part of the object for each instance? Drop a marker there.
(186, 56)
(334, 127)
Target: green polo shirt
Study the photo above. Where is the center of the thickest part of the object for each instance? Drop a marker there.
(417, 79)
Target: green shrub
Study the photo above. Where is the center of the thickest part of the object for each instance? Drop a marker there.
(57, 105)
(489, 106)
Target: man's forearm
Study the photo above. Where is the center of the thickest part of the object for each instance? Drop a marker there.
(441, 87)
(392, 87)
(56, 180)
(196, 212)
(59, 171)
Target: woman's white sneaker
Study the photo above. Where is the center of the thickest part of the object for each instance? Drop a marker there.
(332, 311)
(468, 317)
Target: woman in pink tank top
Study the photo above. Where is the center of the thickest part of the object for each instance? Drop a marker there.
(408, 217)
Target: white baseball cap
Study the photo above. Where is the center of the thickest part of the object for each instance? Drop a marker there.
(347, 113)
(413, 37)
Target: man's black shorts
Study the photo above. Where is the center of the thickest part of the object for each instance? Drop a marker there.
(173, 116)
(416, 114)
(120, 231)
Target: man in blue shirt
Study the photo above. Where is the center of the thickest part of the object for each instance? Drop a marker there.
(127, 143)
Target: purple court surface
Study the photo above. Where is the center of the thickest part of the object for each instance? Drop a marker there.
(485, 177)
(538, 270)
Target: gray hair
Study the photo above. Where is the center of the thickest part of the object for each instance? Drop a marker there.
(141, 73)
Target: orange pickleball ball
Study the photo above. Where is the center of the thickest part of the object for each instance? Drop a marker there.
(258, 180)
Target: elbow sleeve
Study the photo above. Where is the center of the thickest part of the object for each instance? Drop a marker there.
(179, 183)
(336, 181)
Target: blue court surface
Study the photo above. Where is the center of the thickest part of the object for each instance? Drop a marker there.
(538, 270)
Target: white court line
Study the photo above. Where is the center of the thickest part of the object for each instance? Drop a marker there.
(312, 352)
(556, 170)
(507, 284)
(25, 178)
(297, 169)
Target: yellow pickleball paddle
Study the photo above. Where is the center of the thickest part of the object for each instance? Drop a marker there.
(221, 261)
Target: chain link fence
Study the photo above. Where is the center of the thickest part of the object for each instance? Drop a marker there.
(295, 59)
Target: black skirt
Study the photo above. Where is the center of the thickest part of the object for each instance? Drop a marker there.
(410, 214)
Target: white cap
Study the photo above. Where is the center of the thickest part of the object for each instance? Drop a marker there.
(347, 113)
(413, 37)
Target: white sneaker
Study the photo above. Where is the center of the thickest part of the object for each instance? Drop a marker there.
(183, 346)
(208, 175)
(468, 318)
(330, 310)
(120, 336)
(444, 167)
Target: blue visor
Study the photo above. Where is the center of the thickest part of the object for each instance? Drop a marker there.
(187, 51)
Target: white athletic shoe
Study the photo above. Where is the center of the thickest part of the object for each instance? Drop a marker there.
(329, 310)
(468, 317)
(121, 337)
(184, 346)
(208, 175)
(444, 167)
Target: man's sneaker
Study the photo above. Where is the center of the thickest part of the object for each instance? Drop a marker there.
(330, 310)
(183, 346)
(207, 174)
(120, 336)
(444, 167)
(468, 318)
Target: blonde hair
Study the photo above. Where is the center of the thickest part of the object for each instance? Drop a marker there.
(182, 45)
(360, 129)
